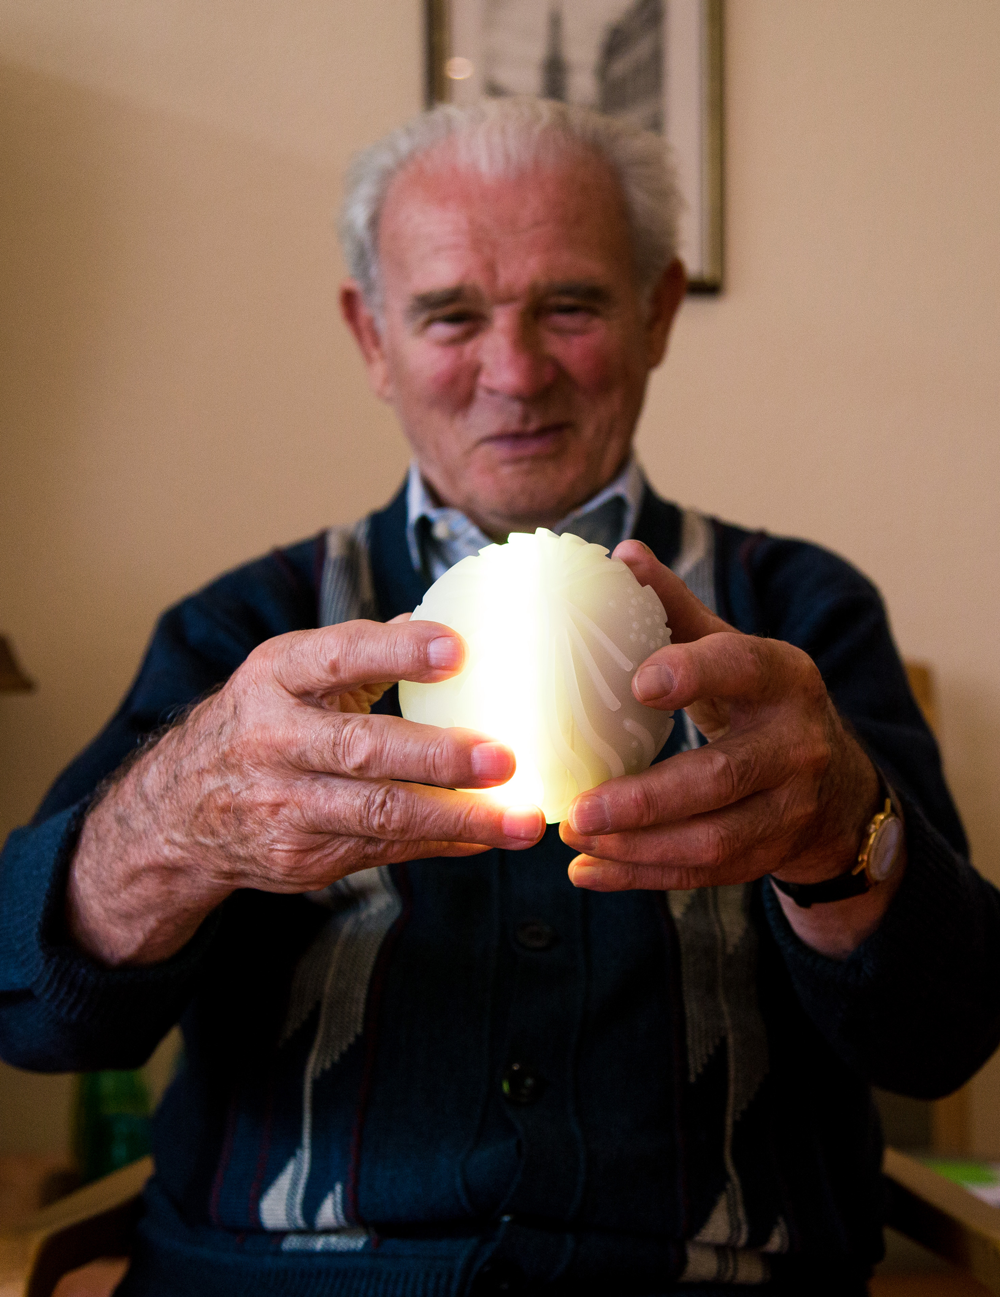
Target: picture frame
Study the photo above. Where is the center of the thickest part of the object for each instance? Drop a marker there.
(658, 62)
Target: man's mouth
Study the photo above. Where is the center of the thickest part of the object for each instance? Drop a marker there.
(527, 441)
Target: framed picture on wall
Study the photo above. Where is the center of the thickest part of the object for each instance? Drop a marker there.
(656, 62)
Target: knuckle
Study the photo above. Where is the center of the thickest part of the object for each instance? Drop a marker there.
(469, 822)
(716, 849)
(382, 811)
(729, 776)
(819, 757)
(643, 804)
(354, 746)
(439, 761)
(761, 662)
(807, 678)
(258, 660)
(329, 667)
(272, 661)
(633, 876)
(687, 663)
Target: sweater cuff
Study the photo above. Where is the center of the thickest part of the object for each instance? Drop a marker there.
(924, 916)
(41, 959)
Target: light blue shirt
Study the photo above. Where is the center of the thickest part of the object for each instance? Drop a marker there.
(439, 536)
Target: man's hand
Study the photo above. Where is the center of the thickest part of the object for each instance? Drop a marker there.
(781, 786)
(283, 782)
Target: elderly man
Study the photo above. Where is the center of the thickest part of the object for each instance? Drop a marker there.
(432, 1046)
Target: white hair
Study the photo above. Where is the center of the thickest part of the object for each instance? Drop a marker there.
(503, 137)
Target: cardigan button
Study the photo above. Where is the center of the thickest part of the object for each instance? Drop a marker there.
(533, 934)
(522, 1084)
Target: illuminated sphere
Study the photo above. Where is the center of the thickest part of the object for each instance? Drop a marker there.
(555, 631)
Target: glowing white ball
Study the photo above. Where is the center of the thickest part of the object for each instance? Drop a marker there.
(555, 631)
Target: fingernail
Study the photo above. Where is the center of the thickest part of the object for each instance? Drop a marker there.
(446, 651)
(583, 872)
(492, 761)
(654, 681)
(524, 822)
(590, 815)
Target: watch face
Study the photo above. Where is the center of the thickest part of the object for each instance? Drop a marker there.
(885, 848)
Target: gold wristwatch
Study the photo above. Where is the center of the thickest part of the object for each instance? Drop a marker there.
(880, 845)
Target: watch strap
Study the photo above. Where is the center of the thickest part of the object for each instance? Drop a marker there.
(832, 889)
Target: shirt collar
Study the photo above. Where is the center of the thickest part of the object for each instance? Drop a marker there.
(439, 536)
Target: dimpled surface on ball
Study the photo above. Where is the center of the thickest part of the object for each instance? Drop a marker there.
(555, 631)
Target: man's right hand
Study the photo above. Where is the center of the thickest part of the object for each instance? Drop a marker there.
(283, 782)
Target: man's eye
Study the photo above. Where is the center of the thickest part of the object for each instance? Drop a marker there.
(570, 313)
(451, 320)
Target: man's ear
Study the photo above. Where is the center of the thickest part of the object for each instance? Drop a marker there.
(362, 323)
(664, 303)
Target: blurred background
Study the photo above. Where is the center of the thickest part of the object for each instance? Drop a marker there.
(177, 393)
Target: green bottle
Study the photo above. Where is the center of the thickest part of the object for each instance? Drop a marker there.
(111, 1127)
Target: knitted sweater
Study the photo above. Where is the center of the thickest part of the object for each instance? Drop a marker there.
(458, 1068)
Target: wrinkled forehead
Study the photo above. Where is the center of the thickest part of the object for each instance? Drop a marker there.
(504, 203)
(507, 157)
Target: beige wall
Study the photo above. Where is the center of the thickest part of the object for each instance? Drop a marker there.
(178, 394)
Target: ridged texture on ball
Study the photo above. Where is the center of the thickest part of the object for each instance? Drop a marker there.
(555, 631)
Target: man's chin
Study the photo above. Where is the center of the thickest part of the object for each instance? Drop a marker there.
(523, 500)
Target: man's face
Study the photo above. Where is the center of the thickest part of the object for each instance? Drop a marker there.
(514, 345)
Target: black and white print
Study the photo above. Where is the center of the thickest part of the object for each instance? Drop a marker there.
(652, 62)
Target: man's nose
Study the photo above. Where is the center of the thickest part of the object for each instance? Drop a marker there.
(513, 360)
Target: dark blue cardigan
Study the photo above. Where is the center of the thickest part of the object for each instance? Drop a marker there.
(595, 1183)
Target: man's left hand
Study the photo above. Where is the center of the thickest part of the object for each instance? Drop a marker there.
(781, 787)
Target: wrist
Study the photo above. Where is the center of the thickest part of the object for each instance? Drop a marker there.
(135, 892)
(880, 853)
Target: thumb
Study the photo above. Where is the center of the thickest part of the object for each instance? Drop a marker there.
(687, 616)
